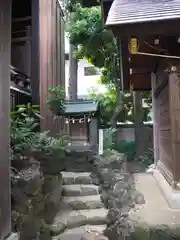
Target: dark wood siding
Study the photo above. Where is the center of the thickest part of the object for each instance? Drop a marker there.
(164, 131)
(5, 42)
(174, 98)
(35, 51)
(52, 67)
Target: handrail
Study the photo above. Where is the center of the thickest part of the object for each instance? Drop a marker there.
(16, 88)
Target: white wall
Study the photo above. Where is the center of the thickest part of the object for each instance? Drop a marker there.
(84, 82)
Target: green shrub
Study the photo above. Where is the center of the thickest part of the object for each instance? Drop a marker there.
(108, 138)
(27, 141)
(148, 157)
(55, 99)
(24, 126)
(127, 148)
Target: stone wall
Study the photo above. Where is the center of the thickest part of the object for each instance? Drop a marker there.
(79, 158)
(127, 133)
(36, 198)
(120, 197)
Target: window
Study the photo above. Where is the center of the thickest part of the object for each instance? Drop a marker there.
(90, 71)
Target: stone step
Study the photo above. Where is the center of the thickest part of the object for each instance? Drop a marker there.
(80, 190)
(82, 202)
(76, 178)
(78, 233)
(72, 219)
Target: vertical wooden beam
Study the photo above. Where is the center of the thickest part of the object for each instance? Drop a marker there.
(174, 98)
(93, 134)
(28, 52)
(5, 49)
(49, 60)
(155, 120)
(35, 52)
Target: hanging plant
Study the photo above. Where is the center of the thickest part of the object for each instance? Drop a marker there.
(56, 99)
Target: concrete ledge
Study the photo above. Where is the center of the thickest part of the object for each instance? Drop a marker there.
(13, 236)
(172, 196)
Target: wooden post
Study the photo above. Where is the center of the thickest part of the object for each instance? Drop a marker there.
(155, 120)
(174, 100)
(93, 132)
(138, 124)
(5, 51)
(28, 52)
(49, 13)
(35, 54)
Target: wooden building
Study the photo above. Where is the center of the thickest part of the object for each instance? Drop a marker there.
(37, 49)
(149, 41)
(82, 119)
(32, 41)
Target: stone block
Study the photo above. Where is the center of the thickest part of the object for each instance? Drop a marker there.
(29, 181)
(52, 204)
(30, 228)
(76, 221)
(51, 182)
(94, 236)
(13, 236)
(52, 164)
(57, 228)
(83, 180)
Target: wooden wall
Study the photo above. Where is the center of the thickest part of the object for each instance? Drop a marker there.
(78, 131)
(52, 58)
(163, 124)
(5, 43)
(174, 98)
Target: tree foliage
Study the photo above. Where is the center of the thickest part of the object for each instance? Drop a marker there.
(94, 42)
(97, 43)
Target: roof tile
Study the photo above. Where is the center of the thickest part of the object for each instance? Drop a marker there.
(134, 11)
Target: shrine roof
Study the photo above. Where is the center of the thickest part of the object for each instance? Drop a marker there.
(80, 107)
(124, 12)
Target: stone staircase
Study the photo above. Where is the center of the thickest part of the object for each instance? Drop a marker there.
(81, 208)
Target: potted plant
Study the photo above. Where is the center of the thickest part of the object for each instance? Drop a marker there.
(55, 99)
(50, 152)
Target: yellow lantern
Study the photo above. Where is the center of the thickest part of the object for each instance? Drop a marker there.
(133, 45)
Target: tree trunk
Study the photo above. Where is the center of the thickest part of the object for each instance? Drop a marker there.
(117, 112)
(73, 73)
(138, 124)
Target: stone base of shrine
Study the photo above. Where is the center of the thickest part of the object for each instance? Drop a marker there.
(13, 236)
(172, 196)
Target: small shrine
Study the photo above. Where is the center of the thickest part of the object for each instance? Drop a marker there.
(82, 118)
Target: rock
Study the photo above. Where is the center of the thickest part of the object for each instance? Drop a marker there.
(83, 180)
(51, 182)
(80, 190)
(94, 205)
(52, 164)
(79, 158)
(29, 181)
(38, 204)
(77, 205)
(30, 228)
(150, 168)
(89, 190)
(161, 232)
(138, 197)
(76, 221)
(71, 190)
(45, 236)
(94, 236)
(70, 178)
(57, 228)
